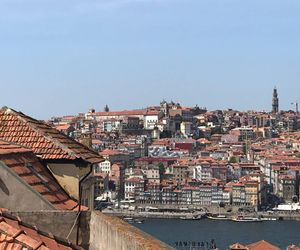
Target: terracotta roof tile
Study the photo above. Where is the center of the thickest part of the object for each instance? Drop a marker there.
(10, 230)
(262, 245)
(7, 243)
(16, 235)
(44, 140)
(29, 241)
(27, 166)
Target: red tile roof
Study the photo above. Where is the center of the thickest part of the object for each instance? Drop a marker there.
(26, 165)
(238, 246)
(14, 234)
(45, 141)
(135, 180)
(128, 112)
(62, 127)
(262, 245)
(108, 152)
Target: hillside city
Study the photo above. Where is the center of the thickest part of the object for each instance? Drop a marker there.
(65, 181)
(173, 156)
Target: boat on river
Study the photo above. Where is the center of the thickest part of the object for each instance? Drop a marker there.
(128, 219)
(217, 217)
(269, 218)
(241, 218)
(192, 217)
(133, 220)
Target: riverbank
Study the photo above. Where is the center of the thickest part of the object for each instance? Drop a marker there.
(173, 215)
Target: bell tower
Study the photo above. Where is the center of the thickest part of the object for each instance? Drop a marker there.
(275, 102)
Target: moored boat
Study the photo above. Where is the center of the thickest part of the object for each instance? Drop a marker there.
(138, 221)
(218, 217)
(269, 218)
(242, 218)
(191, 217)
(128, 219)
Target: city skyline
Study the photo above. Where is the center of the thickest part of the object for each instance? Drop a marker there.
(131, 54)
(292, 105)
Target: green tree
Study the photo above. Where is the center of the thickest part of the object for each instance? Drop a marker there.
(233, 159)
(162, 170)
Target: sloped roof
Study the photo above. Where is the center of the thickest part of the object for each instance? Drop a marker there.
(128, 112)
(26, 165)
(14, 234)
(45, 141)
(108, 152)
(62, 127)
(262, 245)
(293, 247)
(238, 246)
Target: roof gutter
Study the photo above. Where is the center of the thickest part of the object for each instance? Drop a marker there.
(79, 202)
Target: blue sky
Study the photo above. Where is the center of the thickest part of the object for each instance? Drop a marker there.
(66, 56)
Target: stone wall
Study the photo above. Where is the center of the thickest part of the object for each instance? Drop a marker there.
(107, 232)
(97, 231)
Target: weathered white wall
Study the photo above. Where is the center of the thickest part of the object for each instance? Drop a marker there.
(17, 195)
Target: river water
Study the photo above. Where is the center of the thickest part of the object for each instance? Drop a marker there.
(184, 234)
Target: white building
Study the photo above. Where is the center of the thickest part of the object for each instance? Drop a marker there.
(103, 167)
(185, 128)
(150, 120)
(197, 173)
(133, 186)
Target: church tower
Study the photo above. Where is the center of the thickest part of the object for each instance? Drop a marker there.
(275, 102)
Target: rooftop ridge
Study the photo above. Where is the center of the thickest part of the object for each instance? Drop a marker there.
(69, 148)
(28, 120)
(8, 215)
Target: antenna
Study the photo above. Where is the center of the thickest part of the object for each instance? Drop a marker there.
(296, 106)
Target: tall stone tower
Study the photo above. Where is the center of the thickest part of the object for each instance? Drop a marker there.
(275, 102)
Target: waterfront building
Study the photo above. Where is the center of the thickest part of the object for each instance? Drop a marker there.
(205, 194)
(216, 192)
(227, 196)
(238, 194)
(287, 187)
(167, 195)
(251, 190)
(154, 191)
(133, 187)
(196, 195)
(186, 196)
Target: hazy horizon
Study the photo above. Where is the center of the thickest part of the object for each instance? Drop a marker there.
(62, 57)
